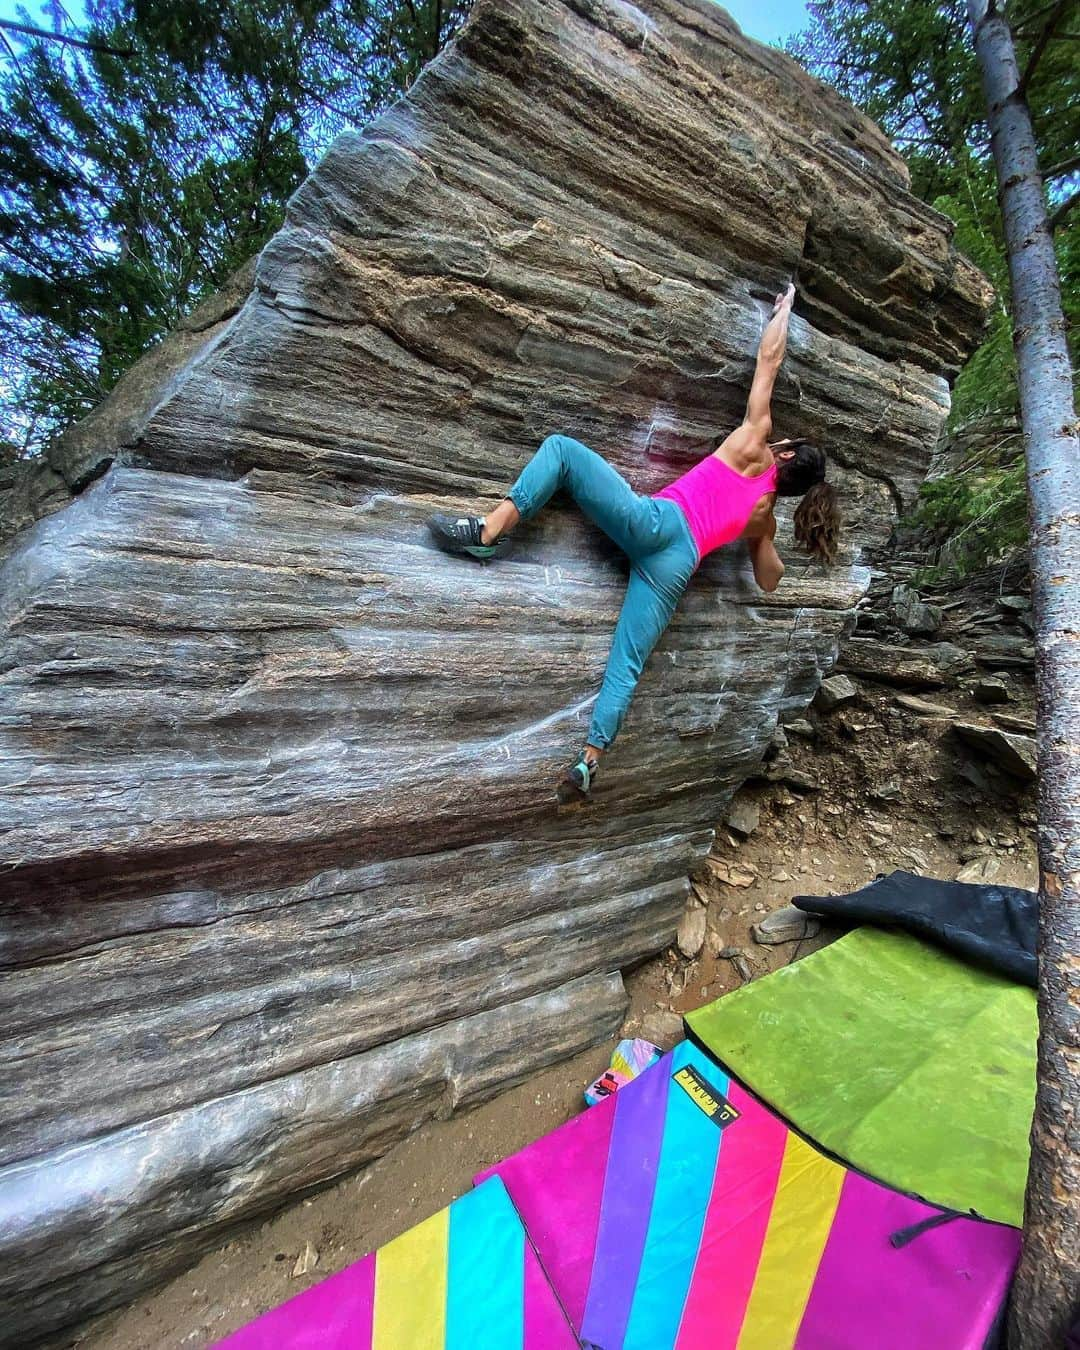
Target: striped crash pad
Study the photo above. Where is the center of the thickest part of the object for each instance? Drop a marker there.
(911, 1064)
(682, 1213)
(465, 1279)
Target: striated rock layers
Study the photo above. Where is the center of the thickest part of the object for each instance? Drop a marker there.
(282, 871)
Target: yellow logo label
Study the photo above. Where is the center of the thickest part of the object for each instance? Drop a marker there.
(715, 1105)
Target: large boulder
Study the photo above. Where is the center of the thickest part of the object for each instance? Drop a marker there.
(282, 871)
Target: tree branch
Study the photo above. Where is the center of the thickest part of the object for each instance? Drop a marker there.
(1066, 166)
(1040, 45)
(1062, 210)
(313, 94)
(63, 37)
(1035, 14)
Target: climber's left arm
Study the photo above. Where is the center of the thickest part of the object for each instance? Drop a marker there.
(768, 569)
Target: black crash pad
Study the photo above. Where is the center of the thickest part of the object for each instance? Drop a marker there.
(994, 926)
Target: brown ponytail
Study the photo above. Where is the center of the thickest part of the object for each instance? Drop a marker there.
(817, 522)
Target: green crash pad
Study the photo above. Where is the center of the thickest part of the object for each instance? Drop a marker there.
(908, 1063)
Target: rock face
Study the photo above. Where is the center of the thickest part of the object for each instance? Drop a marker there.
(282, 872)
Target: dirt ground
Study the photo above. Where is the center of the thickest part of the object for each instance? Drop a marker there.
(865, 789)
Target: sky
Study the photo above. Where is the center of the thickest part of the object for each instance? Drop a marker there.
(766, 20)
(9, 10)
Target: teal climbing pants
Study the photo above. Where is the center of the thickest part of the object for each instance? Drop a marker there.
(654, 535)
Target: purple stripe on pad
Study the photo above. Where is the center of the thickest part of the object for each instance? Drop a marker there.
(556, 1184)
(629, 1182)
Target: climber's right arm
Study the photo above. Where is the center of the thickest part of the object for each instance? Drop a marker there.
(770, 355)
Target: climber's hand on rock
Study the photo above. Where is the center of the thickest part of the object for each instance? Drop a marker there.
(785, 299)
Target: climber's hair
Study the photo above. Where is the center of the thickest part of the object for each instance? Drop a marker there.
(817, 516)
(817, 522)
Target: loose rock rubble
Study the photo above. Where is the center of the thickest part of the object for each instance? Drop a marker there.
(786, 924)
(835, 692)
(743, 817)
(1014, 753)
(691, 936)
(912, 613)
(306, 1262)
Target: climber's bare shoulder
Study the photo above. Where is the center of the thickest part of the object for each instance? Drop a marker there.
(746, 449)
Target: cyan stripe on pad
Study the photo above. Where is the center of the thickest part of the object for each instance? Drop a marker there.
(688, 1157)
(485, 1294)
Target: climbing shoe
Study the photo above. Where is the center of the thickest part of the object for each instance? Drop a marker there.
(461, 534)
(578, 780)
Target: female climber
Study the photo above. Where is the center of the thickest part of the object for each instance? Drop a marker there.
(728, 495)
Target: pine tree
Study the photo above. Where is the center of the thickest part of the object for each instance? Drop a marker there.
(911, 66)
(1046, 1298)
(131, 186)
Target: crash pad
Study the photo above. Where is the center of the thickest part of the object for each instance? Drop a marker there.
(464, 1279)
(910, 1064)
(994, 926)
(681, 1213)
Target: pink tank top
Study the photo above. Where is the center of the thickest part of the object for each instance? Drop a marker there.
(717, 501)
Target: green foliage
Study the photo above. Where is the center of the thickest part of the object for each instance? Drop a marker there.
(912, 67)
(982, 517)
(986, 387)
(909, 65)
(130, 188)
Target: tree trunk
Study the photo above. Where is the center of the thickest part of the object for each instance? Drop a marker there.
(1047, 1292)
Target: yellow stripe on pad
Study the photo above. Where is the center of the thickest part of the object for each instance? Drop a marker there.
(619, 1064)
(410, 1288)
(802, 1214)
